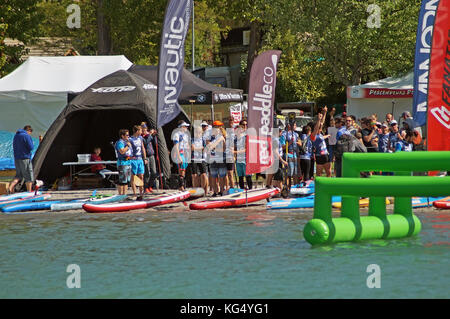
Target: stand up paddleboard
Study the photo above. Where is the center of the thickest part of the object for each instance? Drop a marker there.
(364, 202)
(196, 192)
(20, 195)
(78, 204)
(127, 206)
(420, 202)
(33, 198)
(29, 206)
(301, 202)
(236, 199)
(302, 189)
(442, 204)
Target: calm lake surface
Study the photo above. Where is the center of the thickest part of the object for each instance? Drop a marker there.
(213, 254)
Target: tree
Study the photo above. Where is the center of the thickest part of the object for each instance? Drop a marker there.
(354, 48)
(19, 21)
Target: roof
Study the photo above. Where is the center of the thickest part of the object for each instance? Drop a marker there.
(61, 73)
(44, 46)
(194, 88)
(400, 83)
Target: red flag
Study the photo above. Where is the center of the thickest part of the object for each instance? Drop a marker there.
(438, 137)
(261, 97)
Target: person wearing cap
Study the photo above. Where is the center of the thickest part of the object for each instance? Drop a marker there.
(22, 149)
(216, 149)
(394, 135)
(181, 151)
(199, 169)
(383, 139)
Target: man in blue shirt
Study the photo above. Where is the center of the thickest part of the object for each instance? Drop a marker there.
(22, 147)
(124, 153)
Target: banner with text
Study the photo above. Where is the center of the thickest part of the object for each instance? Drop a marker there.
(261, 97)
(424, 38)
(438, 123)
(171, 59)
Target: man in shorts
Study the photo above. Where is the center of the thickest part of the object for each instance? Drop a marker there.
(216, 149)
(124, 152)
(137, 160)
(22, 147)
(181, 147)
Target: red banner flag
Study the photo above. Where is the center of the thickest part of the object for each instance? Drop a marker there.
(261, 97)
(438, 124)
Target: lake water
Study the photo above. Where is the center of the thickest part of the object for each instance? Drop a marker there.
(213, 254)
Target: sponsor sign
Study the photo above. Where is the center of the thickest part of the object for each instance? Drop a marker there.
(261, 96)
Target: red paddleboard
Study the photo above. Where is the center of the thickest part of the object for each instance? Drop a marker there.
(443, 204)
(236, 199)
(127, 206)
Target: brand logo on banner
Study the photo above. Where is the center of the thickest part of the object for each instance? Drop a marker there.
(438, 124)
(442, 115)
(236, 113)
(424, 38)
(113, 89)
(171, 59)
(261, 96)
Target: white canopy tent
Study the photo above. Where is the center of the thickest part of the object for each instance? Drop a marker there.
(390, 95)
(36, 92)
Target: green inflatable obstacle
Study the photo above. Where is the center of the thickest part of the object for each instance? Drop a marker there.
(351, 226)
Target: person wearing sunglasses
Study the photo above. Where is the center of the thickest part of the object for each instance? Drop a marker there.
(124, 153)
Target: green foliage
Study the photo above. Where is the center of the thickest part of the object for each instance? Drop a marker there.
(326, 45)
(54, 24)
(338, 31)
(207, 37)
(19, 20)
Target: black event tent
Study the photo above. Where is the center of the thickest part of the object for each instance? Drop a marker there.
(194, 88)
(94, 118)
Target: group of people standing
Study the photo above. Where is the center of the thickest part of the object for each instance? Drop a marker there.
(218, 158)
(136, 158)
(216, 155)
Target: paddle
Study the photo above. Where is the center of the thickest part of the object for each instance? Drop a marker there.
(285, 189)
(137, 181)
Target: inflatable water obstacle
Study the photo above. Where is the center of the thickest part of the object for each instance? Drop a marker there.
(350, 226)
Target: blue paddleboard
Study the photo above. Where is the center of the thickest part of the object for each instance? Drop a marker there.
(20, 195)
(28, 206)
(303, 189)
(78, 204)
(418, 202)
(38, 198)
(235, 190)
(301, 202)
